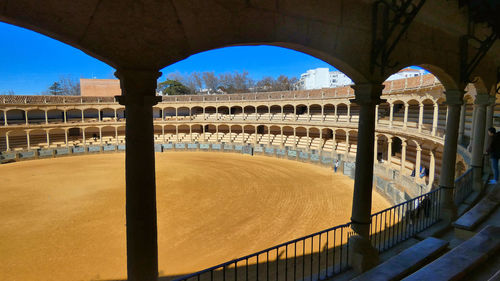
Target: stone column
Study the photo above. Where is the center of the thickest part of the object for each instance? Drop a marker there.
(363, 255)
(5, 123)
(281, 137)
(435, 119)
(376, 115)
(230, 134)
(116, 117)
(282, 115)
(479, 126)
(66, 137)
(83, 115)
(138, 96)
(335, 114)
(375, 148)
(48, 138)
(308, 112)
(454, 101)
(391, 113)
(347, 144)
(46, 118)
(461, 127)
(420, 117)
(216, 133)
(256, 114)
(403, 156)
(348, 112)
(418, 161)
(25, 117)
(256, 136)
(190, 133)
(28, 139)
(322, 113)
(472, 137)
(268, 135)
(334, 142)
(389, 152)
(432, 168)
(7, 141)
(64, 115)
(100, 136)
(116, 136)
(177, 133)
(83, 136)
(205, 118)
(269, 112)
(294, 138)
(405, 120)
(99, 115)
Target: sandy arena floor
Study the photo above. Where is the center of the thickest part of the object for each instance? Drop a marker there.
(64, 218)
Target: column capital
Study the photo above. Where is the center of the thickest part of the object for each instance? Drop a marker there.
(454, 97)
(483, 99)
(367, 93)
(138, 86)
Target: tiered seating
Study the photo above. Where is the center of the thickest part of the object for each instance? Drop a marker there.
(266, 138)
(328, 145)
(304, 142)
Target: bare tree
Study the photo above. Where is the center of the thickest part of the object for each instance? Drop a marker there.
(211, 81)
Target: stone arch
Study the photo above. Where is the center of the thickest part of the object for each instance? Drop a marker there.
(35, 116)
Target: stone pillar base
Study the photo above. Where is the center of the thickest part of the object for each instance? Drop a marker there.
(362, 255)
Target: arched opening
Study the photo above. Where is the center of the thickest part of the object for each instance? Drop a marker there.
(73, 115)
(413, 114)
(301, 113)
(342, 112)
(183, 113)
(275, 112)
(315, 112)
(398, 111)
(35, 116)
(353, 143)
(170, 133)
(120, 114)
(382, 148)
(90, 115)
(340, 141)
(57, 138)
(327, 139)
(157, 113)
(16, 116)
(55, 116)
(197, 112)
(92, 136)
(316, 141)
(428, 115)
(169, 113)
(210, 113)
(262, 112)
(108, 114)
(158, 133)
(329, 112)
(289, 112)
(38, 139)
(183, 134)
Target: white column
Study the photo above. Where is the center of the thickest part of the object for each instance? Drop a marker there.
(116, 117)
(282, 115)
(46, 118)
(28, 139)
(418, 161)
(420, 116)
(163, 133)
(348, 112)
(403, 156)
(375, 147)
(83, 115)
(432, 168)
(83, 136)
(389, 152)
(177, 132)
(116, 135)
(204, 117)
(64, 112)
(100, 136)
(25, 117)
(322, 113)
(269, 112)
(347, 146)
(230, 134)
(190, 133)
(391, 113)
(268, 135)
(99, 115)
(7, 141)
(308, 112)
(66, 137)
(405, 120)
(376, 115)
(435, 119)
(281, 137)
(335, 114)
(48, 138)
(5, 118)
(294, 138)
(177, 114)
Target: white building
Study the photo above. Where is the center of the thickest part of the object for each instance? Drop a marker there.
(322, 78)
(406, 73)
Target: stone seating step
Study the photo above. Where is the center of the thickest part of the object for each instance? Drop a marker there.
(406, 262)
(462, 259)
(472, 218)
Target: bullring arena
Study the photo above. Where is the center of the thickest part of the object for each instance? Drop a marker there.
(212, 195)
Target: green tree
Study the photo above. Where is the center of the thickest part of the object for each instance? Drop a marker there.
(55, 89)
(172, 87)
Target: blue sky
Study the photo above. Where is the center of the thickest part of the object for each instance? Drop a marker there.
(31, 62)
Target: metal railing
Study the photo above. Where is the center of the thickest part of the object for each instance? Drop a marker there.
(463, 187)
(403, 221)
(313, 257)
